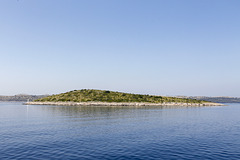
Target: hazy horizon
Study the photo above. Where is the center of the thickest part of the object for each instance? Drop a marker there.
(188, 48)
(125, 92)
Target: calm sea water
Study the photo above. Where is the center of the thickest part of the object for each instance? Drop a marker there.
(58, 132)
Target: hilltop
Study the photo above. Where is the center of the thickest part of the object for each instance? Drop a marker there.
(90, 95)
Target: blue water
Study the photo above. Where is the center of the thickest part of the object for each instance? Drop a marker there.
(58, 132)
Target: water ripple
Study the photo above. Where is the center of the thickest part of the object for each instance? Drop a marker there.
(55, 132)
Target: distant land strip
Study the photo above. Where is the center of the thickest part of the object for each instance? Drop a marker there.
(217, 99)
(21, 98)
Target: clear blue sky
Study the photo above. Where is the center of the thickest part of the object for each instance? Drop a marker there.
(164, 47)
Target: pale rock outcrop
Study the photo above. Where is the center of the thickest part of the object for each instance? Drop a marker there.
(122, 104)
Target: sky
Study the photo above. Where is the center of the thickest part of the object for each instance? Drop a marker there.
(160, 47)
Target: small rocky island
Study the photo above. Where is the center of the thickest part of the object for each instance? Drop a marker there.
(90, 97)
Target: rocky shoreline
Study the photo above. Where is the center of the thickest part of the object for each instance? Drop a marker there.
(121, 104)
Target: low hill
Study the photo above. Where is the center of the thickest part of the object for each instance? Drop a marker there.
(90, 95)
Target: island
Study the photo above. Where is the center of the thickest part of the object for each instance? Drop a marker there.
(91, 97)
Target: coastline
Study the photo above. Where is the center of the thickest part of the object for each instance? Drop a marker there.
(122, 104)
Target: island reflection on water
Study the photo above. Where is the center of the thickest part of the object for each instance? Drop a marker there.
(112, 111)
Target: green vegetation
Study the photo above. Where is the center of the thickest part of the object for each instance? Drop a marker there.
(88, 95)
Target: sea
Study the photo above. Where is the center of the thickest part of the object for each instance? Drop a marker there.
(119, 133)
